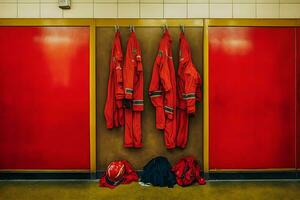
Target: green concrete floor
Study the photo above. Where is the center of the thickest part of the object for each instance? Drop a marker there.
(75, 190)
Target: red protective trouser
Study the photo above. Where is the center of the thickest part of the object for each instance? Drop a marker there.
(133, 129)
(133, 85)
(182, 128)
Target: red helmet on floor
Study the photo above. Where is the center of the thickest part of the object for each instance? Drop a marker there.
(118, 172)
(115, 171)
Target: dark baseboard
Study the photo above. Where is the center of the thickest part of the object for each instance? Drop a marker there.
(52, 175)
(252, 175)
(100, 173)
(43, 175)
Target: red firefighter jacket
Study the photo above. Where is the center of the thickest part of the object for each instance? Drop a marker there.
(113, 110)
(189, 80)
(133, 74)
(162, 90)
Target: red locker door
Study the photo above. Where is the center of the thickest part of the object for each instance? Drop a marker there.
(44, 98)
(298, 95)
(252, 98)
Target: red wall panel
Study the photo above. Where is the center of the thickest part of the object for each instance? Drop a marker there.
(298, 95)
(44, 98)
(252, 98)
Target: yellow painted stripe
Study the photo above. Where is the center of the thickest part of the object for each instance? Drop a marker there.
(92, 99)
(46, 22)
(206, 100)
(149, 22)
(253, 22)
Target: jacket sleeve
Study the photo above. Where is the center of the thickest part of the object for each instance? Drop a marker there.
(109, 107)
(115, 89)
(156, 92)
(118, 58)
(190, 92)
(165, 77)
(138, 95)
(198, 89)
(128, 71)
(164, 72)
(190, 76)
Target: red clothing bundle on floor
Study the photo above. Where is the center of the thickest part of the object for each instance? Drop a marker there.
(118, 172)
(187, 171)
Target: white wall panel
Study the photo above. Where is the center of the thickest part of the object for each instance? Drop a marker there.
(105, 10)
(221, 10)
(8, 10)
(28, 10)
(244, 10)
(80, 10)
(152, 9)
(175, 10)
(130, 10)
(51, 10)
(267, 10)
(198, 10)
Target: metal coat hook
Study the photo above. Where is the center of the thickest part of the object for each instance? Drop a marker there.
(117, 28)
(165, 27)
(182, 28)
(131, 28)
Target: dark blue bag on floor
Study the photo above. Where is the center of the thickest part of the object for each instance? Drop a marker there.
(157, 172)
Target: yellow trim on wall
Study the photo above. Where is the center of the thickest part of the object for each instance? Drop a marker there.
(253, 22)
(92, 99)
(206, 99)
(149, 22)
(46, 22)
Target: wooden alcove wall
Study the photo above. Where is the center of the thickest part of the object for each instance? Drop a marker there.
(110, 142)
